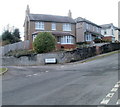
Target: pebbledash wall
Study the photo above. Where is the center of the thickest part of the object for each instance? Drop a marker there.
(62, 57)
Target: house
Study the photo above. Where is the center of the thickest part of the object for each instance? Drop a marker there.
(110, 32)
(62, 27)
(86, 31)
(67, 31)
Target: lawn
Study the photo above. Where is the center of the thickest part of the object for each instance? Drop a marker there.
(2, 70)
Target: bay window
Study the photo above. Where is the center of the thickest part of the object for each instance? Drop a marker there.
(67, 40)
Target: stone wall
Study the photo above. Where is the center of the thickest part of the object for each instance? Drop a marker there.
(62, 57)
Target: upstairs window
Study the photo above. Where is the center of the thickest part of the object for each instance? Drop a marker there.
(105, 32)
(112, 32)
(53, 26)
(39, 25)
(66, 27)
(87, 25)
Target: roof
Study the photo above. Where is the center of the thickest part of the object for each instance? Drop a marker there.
(51, 18)
(107, 26)
(80, 19)
(56, 33)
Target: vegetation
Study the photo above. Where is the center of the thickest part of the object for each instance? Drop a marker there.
(8, 37)
(44, 42)
(2, 70)
(19, 53)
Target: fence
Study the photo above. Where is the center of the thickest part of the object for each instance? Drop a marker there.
(16, 46)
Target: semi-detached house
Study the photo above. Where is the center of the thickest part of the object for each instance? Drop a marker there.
(66, 30)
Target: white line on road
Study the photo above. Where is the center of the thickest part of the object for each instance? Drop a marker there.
(46, 71)
(118, 102)
(111, 94)
(114, 89)
(105, 101)
(28, 75)
(35, 74)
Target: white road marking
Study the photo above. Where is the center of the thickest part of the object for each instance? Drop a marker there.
(62, 66)
(105, 101)
(35, 74)
(118, 102)
(114, 89)
(116, 86)
(46, 71)
(28, 75)
(110, 95)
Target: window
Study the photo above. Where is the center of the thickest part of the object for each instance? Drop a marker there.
(34, 36)
(105, 32)
(58, 39)
(88, 37)
(53, 26)
(67, 40)
(87, 25)
(112, 32)
(66, 27)
(39, 25)
(97, 29)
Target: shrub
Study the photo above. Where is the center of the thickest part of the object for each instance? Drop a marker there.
(44, 42)
(97, 40)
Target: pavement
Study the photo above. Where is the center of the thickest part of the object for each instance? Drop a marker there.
(88, 83)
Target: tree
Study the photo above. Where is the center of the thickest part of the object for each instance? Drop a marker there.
(8, 37)
(44, 42)
(16, 35)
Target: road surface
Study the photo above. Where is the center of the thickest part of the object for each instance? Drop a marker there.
(90, 83)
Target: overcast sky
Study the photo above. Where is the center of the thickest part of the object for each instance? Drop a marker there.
(97, 11)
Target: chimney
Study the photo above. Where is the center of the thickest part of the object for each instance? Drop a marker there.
(70, 14)
(27, 10)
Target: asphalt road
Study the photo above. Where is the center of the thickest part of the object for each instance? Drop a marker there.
(71, 84)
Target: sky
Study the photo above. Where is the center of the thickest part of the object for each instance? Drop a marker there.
(97, 11)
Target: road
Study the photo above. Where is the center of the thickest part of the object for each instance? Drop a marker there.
(71, 84)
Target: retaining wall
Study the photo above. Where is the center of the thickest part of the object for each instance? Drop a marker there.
(62, 57)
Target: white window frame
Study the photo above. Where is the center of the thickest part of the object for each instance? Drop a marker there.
(34, 36)
(66, 27)
(67, 40)
(53, 26)
(39, 25)
(88, 37)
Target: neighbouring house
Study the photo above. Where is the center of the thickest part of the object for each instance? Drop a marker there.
(87, 31)
(110, 32)
(62, 27)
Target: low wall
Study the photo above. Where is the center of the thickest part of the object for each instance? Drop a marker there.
(62, 57)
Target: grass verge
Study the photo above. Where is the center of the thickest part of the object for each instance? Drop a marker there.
(3, 70)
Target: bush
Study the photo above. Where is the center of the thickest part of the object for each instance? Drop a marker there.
(97, 40)
(44, 42)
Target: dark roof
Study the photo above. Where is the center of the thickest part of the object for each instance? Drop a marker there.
(80, 19)
(56, 33)
(51, 18)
